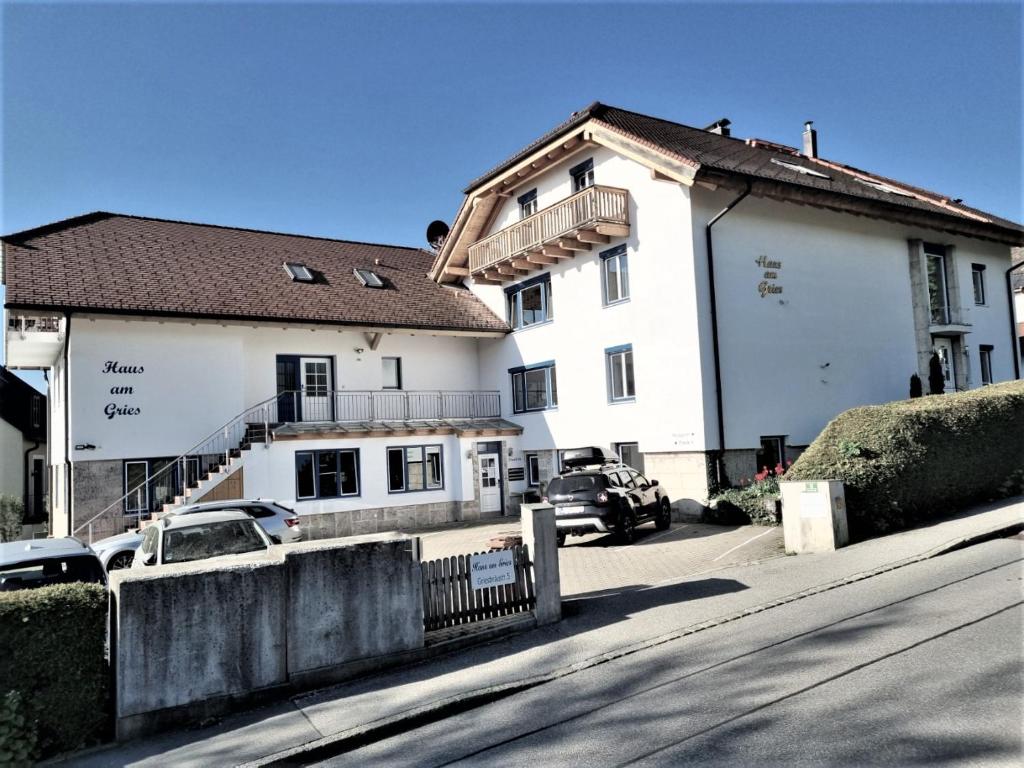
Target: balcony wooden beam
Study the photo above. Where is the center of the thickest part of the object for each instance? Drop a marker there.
(591, 236)
(613, 230)
(572, 244)
(460, 271)
(485, 280)
(555, 251)
(508, 269)
(523, 264)
(493, 275)
(540, 258)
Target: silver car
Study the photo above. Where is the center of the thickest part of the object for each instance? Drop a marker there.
(280, 523)
(200, 536)
(41, 562)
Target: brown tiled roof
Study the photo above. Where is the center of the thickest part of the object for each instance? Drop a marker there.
(754, 160)
(112, 263)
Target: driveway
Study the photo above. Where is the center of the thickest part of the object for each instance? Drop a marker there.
(595, 563)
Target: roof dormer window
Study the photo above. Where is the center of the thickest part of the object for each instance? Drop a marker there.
(882, 187)
(368, 278)
(300, 273)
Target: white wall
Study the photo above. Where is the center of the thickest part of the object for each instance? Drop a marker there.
(270, 473)
(192, 378)
(657, 321)
(12, 460)
(841, 333)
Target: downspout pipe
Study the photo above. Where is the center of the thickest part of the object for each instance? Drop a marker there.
(67, 427)
(719, 404)
(25, 467)
(1014, 343)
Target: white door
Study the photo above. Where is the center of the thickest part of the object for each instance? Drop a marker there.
(944, 349)
(316, 384)
(490, 482)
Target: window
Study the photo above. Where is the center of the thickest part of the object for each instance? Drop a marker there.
(392, 369)
(300, 273)
(801, 169)
(986, 363)
(534, 388)
(615, 275)
(621, 385)
(630, 455)
(882, 187)
(771, 453)
(136, 481)
(532, 469)
(415, 468)
(938, 296)
(528, 204)
(582, 175)
(978, 279)
(529, 302)
(326, 474)
(368, 278)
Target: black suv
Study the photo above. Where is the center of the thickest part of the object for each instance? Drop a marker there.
(596, 492)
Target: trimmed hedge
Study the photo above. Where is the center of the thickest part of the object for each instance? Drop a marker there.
(911, 460)
(52, 654)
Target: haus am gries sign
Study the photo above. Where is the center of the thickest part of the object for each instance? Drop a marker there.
(491, 570)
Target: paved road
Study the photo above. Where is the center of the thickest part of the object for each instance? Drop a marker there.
(595, 563)
(920, 666)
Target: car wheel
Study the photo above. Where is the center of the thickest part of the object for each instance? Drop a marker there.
(627, 527)
(561, 539)
(664, 519)
(120, 560)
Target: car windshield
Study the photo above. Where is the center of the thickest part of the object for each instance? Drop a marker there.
(230, 537)
(560, 486)
(51, 570)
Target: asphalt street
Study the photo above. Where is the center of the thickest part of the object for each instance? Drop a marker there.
(919, 666)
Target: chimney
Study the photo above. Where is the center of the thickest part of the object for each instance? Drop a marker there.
(810, 140)
(721, 127)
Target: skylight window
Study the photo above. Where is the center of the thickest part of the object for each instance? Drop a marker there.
(884, 187)
(801, 169)
(300, 273)
(368, 278)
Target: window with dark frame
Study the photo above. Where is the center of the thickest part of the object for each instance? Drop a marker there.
(300, 273)
(529, 302)
(534, 388)
(985, 350)
(532, 469)
(329, 474)
(938, 291)
(582, 175)
(615, 275)
(978, 280)
(621, 382)
(527, 204)
(414, 468)
(630, 455)
(392, 372)
(771, 453)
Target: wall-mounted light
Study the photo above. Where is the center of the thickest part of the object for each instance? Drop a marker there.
(469, 453)
(359, 350)
(85, 447)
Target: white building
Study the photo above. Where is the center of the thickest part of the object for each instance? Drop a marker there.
(279, 367)
(23, 448)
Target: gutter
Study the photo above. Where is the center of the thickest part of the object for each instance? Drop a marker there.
(719, 404)
(68, 504)
(1014, 343)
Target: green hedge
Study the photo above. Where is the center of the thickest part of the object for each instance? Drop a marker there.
(52, 654)
(912, 460)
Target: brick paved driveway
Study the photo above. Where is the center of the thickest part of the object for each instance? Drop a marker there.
(595, 563)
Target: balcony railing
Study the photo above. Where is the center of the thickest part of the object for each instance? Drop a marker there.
(311, 405)
(22, 324)
(590, 209)
(943, 315)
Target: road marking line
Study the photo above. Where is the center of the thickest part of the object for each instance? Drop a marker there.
(770, 530)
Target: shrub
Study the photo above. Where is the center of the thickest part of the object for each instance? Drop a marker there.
(17, 736)
(916, 388)
(911, 460)
(12, 512)
(52, 656)
(754, 503)
(936, 376)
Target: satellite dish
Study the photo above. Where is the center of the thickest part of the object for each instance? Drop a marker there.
(436, 233)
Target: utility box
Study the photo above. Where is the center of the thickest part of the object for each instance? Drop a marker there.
(814, 516)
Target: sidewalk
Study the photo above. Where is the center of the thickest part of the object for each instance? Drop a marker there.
(597, 627)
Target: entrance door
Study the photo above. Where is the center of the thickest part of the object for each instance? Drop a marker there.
(316, 386)
(944, 348)
(490, 482)
(35, 507)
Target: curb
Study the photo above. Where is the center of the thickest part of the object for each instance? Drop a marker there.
(360, 736)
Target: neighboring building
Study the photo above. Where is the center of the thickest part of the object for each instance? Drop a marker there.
(1017, 289)
(369, 387)
(174, 348)
(23, 445)
(830, 287)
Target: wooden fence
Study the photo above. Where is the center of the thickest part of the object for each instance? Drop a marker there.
(449, 598)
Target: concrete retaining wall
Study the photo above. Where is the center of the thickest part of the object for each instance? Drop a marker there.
(192, 640)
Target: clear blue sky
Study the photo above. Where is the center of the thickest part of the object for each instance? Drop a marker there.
(366, 121)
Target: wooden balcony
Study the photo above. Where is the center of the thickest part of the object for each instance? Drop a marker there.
(590, 217)
(34, 341)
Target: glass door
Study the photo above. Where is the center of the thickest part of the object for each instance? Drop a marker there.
(316, 389)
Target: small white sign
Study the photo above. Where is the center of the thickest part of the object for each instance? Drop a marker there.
(814, 505)
(491, 570)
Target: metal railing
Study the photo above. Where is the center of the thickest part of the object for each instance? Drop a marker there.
(253, 425)
(23, 324)
(588, 207)
(946, 315)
